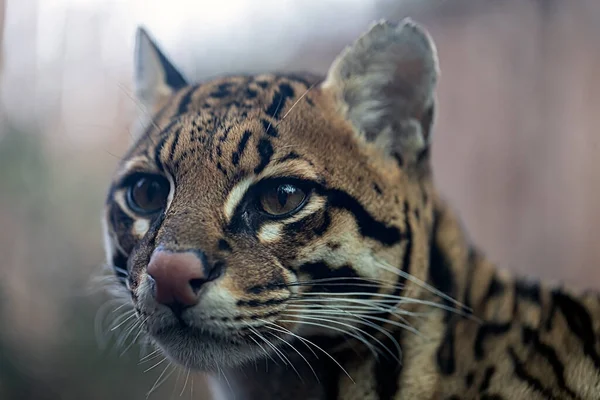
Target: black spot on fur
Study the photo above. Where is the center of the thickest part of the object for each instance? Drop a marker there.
(398, 157)
(269, 128)
(522, 374)
(265, 288)
(446, 358)
(469, 379)
(265, 151)
(528, 290)
(531, 339)
(224, 245)
(440, 271)
(334, 246)
(235, 158)
(579, 322)
(367, 224)
(486, 330)
(495, 288)
(282, 94)
(186, 99)
(290, 156)
(222, 91)
(377, 188)
(487, 378)
(259, 303)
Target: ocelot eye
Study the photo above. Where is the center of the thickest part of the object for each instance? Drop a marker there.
(148, 194)
(283, 199)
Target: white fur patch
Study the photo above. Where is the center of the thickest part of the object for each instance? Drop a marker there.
(141, 226)
(236, 195)
(269, 233)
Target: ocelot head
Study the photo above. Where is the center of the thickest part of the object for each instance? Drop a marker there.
(275, 206)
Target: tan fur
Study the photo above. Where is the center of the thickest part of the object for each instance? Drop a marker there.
(431, 317)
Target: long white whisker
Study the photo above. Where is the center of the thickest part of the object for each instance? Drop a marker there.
(284, 330)
(300, 354)
(294, 105)
(420, 283)
(264, 350)
(354, 335)
(186, 381)
(283, 357)
(365, 322)
(391, 299)
(150, 356)
(159, 381)
(156, 365)
(133, 315)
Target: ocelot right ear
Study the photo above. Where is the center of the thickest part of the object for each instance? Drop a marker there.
(384, 86)
(155, 77)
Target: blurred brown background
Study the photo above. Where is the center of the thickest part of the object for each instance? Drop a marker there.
(516, 147)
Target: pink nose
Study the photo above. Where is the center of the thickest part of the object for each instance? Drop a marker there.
(178, 276)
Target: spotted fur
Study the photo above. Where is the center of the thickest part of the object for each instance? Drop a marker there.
(371, 289)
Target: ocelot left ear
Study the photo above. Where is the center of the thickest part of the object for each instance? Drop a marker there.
(155, 77)
(384, 84)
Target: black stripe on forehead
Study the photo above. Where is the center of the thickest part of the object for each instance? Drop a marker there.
(166, 133)
(186, 100)
(265, 151)
(235, 158)
(282, 94)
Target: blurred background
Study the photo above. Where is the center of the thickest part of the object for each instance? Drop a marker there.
(516, 147)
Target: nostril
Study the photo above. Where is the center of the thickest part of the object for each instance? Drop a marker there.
(196, 284)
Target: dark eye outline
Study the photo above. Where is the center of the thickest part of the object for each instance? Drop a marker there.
(129, 185)
(264, 186)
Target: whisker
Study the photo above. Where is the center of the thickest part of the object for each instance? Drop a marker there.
(420, 283)
(159, 381)
(283, 357)
(149, 356)
(263, 349)
(300, 354)
(285, 330)
(397, 300)
(156, 365)
(140, 328)
(294, 105)
(186, 381)
(405, 325)
(133, 315)
(226, 380)
(349, 333)
(365, 322)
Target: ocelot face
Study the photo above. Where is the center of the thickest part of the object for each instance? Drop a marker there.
(255, 210)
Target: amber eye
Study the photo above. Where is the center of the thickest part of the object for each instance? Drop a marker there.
(148, 194)
(282, 199)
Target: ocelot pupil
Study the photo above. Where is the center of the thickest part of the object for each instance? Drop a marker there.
(283, 194)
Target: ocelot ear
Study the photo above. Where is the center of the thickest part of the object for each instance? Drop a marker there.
(155, 77)
(384, 84)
